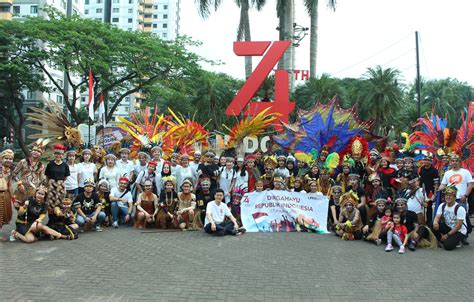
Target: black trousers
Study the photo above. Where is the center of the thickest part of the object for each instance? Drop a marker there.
(223, 228)
(452, 240)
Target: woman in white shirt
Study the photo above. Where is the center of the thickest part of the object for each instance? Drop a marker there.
(416, 198)
(87, 169)
(242, 176)
(110, 172)
(184, 171)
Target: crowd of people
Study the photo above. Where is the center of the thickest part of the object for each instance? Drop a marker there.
(384, 198)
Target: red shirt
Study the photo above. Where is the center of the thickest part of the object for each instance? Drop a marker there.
(401, 231)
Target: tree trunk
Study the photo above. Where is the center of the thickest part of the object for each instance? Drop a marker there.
(286, 21)
(245, 20)
(313, 47)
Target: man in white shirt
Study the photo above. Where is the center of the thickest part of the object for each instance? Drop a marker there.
(216, 211)
(125, 165)
(121, 202)
(462, 179)
(196, 161)
(449, 225)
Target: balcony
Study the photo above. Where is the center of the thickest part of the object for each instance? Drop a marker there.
(6, 2)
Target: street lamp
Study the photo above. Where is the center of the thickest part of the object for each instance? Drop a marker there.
(300, 32)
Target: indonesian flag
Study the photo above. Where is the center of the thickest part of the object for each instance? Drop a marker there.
(90, 104)
(259, 217)
(102, 110)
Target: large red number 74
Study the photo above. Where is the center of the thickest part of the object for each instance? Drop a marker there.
(281, 104)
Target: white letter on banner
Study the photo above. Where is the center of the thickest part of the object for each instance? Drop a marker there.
(250, 144)
(263, 143)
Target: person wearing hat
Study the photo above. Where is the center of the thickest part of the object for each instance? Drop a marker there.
(103, 192)
(349, 226)
(325, 182)
(184, 171)
(63, 219)
(312, 175)
(30, 170)
(147, 206)
(125, 165)
(278, 183)
(355, 187)
(373, 164)
(72, 181)
(56, 173)
(168, 205)
(87, 169)
(242, 175)
(30, 217)
(227, 179)
(89, 208)
(462, 179)
(8, 156)
(186, 205)
(377, 192)
(334, 207)
(196, 160)
(110, 172)
(6, 194)
(429, 179)
(292, 169)
(416, 232)
(148, 175)
(203, 197)
(253, 172)
(449, 225)
(373, 229)
(208, 169)
(416, 198)
(387, 175)
(282, 170)
(343, 177)
(121, 202)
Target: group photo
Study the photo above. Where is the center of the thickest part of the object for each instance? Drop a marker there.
(209, 150)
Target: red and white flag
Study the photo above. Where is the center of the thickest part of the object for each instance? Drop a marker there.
(102, 110)
(259, 216)
(90, 104)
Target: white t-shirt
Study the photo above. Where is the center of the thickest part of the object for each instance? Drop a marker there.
(139, 168)
(450, 219)
(125, 168)
(116, 193)
(111, 175)
(87, 170)
(184, 173)
(218, 212)
(225, 180)
(242, 181)
(460, 178)
(415, 203)
(71, 182)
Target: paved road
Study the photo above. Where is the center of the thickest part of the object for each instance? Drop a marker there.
(127, 265)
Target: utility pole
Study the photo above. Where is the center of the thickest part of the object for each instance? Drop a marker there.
(418, 80)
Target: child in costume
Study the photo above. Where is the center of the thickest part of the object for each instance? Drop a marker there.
(349, 226)
(234, 205)
(396, 232)
(166, 217)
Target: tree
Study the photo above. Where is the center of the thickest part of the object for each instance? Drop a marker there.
(16, 75)
(383, 97)
(315, 90)
(122, 62)
(312, 9)
(243, 31)
(286, 15)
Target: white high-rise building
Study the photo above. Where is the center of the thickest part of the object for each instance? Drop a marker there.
(158, 17)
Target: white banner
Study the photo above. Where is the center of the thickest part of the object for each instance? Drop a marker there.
(283, 211)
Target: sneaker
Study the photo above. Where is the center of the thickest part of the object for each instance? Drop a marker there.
(115, 224)
(412, 246)
(402, 250)
(389, 248)
(378, 242)
(459, 245)
(98, 228)
(241, 231)
(12, 235)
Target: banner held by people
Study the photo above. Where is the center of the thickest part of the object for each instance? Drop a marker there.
(283, 211)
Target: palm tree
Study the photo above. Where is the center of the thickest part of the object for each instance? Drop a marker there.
(243, 31)
(321, 89)
(383, 97)
(312, 9)
(286, 15)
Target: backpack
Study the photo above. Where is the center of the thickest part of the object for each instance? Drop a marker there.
(456, 208)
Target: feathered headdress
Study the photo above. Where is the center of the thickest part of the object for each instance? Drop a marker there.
(52, 123)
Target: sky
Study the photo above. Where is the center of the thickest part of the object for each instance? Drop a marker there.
(358, 35)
